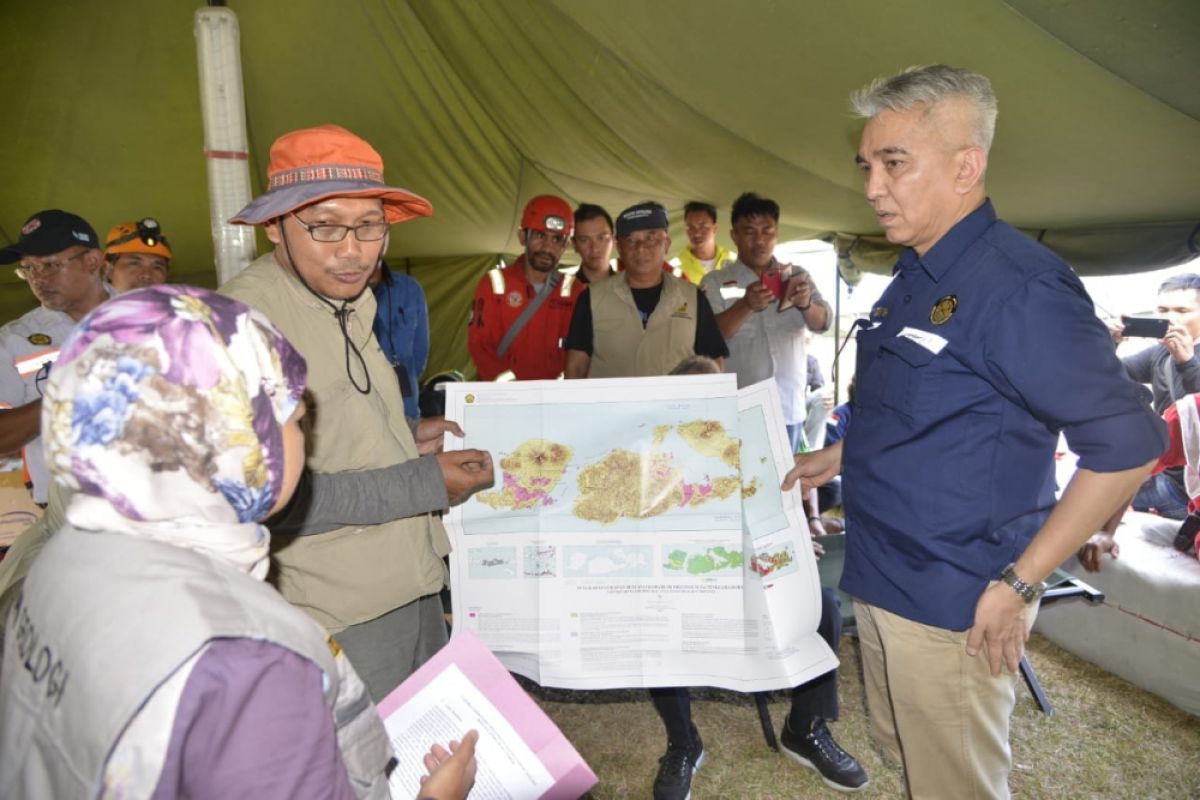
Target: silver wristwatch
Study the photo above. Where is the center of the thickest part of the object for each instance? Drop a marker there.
(1029, 592)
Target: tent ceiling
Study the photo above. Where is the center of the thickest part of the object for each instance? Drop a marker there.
(479, 105)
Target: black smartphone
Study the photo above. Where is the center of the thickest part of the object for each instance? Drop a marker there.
(1144, 327)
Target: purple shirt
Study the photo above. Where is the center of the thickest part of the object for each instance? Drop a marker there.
(253, 722)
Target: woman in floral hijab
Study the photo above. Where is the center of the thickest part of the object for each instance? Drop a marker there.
(145, 657)
(166, 414)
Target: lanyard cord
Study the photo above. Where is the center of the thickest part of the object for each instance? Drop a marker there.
(341, 314)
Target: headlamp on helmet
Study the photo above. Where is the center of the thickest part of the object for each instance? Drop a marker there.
(143, 236)
(549, 214)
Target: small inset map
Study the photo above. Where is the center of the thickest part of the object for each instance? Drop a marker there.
(540, 561)
(529, 475)
(492, 563)
(775, 563)
(707, 561)
(608, 561)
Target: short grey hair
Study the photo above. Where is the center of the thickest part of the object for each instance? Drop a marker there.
(929, 86)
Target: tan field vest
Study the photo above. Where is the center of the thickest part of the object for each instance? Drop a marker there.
(357, 573)
(621, 348)
(103, 621)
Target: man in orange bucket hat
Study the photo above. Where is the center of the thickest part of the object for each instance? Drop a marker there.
(327, 210)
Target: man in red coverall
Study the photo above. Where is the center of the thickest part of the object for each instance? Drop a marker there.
(521, 313)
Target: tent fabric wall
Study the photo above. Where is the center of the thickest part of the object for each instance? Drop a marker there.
(449, 285)
(479, 105)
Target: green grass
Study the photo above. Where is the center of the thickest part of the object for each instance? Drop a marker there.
(1107, 739)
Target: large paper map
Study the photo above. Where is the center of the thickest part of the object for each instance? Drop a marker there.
(635, 535)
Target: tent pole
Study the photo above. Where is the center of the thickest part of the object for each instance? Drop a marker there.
(837, 329)
(226, 146)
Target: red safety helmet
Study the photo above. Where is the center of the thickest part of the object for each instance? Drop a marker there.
(549, 214)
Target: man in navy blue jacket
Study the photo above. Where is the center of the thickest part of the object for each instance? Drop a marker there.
(981, 350)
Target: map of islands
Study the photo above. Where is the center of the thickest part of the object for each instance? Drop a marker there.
(608, 561)
(530, 474)
(706, 561)
(580, 474)
(492, 563)
(775, 563)
(625, 484)
(707, 437)
(540, 561)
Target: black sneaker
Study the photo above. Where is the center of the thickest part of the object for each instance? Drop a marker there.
(817, 750)
(676, 768)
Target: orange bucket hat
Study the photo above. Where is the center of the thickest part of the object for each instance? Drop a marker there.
(315, 164)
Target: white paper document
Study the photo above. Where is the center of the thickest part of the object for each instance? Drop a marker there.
(450, 705)
(520, 753)
(636, 535)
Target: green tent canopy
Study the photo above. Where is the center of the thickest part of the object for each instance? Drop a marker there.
(480, 104)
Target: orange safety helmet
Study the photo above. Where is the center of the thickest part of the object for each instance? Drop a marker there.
(143, 236)
(550, 214)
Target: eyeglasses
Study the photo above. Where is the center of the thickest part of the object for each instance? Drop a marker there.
(328, 233)
(44, 269)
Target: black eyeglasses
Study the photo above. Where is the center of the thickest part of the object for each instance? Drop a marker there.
(328, 233)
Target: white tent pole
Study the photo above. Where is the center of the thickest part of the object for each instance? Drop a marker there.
(226, 148)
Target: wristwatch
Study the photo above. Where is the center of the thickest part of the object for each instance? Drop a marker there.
(1029, 592)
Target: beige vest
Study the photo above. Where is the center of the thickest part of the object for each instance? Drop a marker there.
(104, 624)
(353, 574)
(621, 348)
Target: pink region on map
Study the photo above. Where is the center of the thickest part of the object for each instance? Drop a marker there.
(525, 495)
(691, 490)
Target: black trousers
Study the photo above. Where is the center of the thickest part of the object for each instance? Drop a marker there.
(817, 698)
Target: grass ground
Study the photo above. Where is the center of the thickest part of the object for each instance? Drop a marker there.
(1106, 739)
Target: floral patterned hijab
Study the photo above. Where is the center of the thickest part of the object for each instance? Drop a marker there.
(164, 414)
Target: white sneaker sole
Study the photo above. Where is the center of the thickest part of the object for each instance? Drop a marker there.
(695, 769)
(804, 762)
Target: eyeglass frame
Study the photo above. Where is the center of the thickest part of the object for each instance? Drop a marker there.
(45, 268)
(310, 227)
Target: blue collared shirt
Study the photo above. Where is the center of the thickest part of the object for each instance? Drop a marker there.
(980, 353)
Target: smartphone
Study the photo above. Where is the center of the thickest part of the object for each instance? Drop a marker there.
(1144, 327)
(773, 280)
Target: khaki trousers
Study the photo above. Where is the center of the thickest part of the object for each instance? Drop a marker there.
(934, 709)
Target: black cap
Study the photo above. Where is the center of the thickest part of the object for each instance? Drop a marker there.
(648, 216)
(49, 232)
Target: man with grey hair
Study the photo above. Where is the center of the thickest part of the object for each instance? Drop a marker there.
(981, 350)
